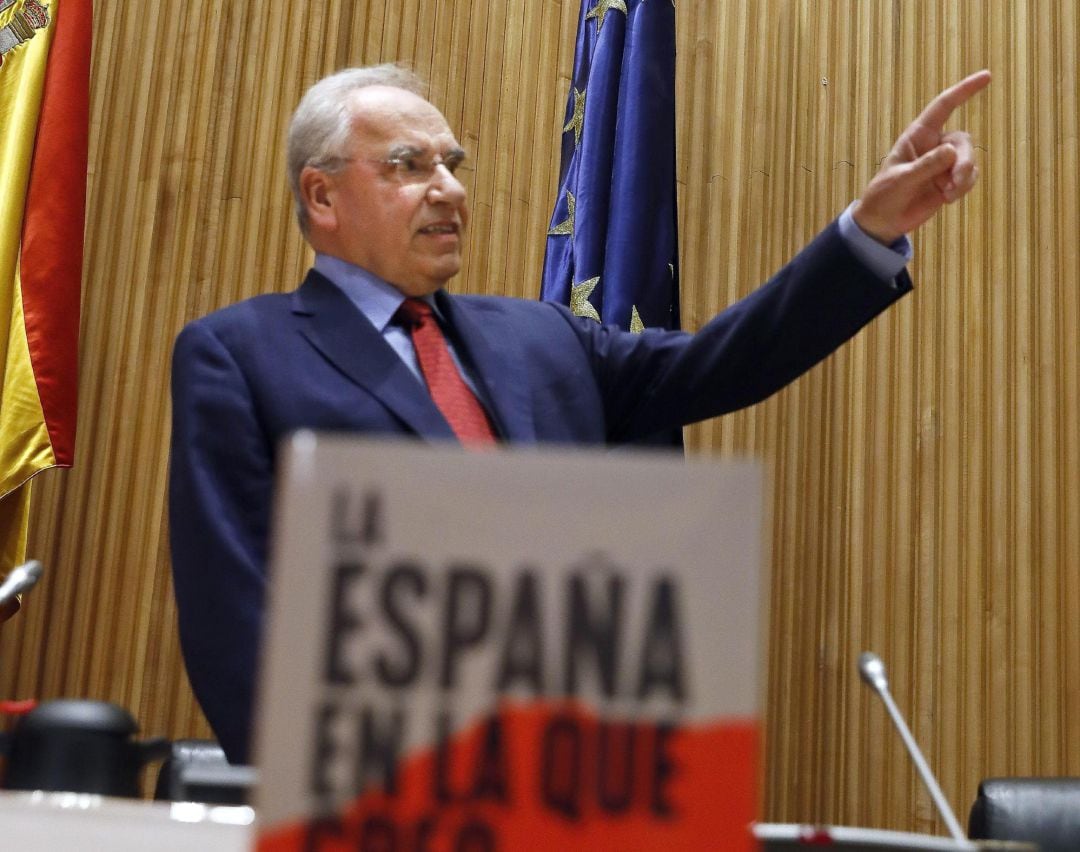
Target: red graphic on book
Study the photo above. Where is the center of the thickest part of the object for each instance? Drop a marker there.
(544, 776)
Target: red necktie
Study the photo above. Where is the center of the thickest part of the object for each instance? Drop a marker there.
(452, 396)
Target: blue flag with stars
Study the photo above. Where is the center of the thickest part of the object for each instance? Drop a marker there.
(612, 246)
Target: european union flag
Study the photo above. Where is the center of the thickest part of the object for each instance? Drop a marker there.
(612, 249)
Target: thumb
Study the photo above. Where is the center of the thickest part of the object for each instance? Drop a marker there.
(934, 162)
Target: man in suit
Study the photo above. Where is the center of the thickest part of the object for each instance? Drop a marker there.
(372, 343)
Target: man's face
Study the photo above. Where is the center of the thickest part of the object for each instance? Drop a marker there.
(398, 210)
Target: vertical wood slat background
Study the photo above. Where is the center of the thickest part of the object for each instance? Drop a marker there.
(923, 480)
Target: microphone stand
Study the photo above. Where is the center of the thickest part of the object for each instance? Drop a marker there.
(872, 671)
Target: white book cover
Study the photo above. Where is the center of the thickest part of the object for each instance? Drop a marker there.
(510, 649)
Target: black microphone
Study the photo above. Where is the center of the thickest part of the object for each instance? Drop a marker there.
(872, 671)
(21, 579)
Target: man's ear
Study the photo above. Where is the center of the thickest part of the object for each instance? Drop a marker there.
(317, 194)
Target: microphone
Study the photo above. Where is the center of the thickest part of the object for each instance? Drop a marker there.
(872, 671)
(21, 579)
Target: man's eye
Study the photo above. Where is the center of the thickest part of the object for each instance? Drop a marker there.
(409, 165)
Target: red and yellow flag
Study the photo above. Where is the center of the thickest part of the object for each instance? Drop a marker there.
(44, 118)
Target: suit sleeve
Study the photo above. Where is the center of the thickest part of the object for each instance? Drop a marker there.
(220, 481)
(659, 380)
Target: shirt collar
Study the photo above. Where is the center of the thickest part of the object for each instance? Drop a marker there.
(376, 299)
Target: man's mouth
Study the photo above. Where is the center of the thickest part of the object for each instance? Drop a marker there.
(441, 228)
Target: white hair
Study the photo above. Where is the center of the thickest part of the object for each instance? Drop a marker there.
(320, 126)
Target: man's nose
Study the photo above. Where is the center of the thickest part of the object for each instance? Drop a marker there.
(445, 186)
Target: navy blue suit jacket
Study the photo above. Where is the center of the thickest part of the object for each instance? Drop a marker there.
(249, 374)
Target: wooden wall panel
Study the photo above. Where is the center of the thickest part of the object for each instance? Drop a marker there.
(924, 498)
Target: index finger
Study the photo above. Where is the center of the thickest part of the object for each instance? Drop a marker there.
(937, 112)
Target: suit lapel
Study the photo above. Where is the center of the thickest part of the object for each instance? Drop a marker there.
(345, 337)
(494, 358)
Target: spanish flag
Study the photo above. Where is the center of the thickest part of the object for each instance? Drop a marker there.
(44, 118)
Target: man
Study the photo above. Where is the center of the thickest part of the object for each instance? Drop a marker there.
(371, 165)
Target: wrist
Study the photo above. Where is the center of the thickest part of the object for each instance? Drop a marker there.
(872, 227)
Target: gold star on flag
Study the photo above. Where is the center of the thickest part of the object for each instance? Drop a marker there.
(566, 228)
(600, 10)
(636, 325)
(577, 121)
(579, 299)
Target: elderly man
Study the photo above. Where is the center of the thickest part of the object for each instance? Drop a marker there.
(372, 343)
